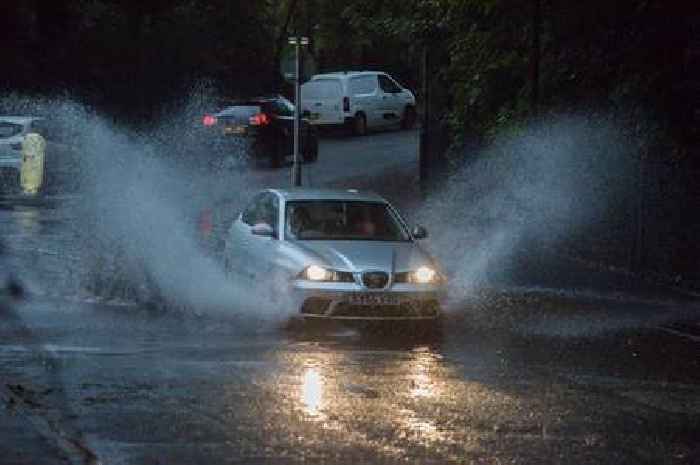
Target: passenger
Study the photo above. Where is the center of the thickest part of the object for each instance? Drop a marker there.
(301, 225)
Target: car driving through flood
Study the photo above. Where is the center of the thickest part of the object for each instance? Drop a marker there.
(338, 254)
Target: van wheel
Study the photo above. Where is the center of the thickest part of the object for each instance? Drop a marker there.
(409, 118)
(359, 126)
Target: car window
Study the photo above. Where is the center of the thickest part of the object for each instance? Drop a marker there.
(263, 209)
(240, 113)
(342, 220)
(9, 129)
(249, 214)
(363, 85)
(281, 107)
(388, 85)
(321, 89)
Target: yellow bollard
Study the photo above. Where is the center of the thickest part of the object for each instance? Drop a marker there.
(33, 158)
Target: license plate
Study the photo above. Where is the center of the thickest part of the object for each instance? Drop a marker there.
(234, 130)
(373, 299)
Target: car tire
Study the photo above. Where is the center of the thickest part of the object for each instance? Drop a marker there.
(409, 118)
(359, 125)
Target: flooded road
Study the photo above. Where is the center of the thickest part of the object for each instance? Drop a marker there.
(136, 388)
(523, 372)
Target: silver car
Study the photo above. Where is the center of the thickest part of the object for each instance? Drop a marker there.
(339, 254)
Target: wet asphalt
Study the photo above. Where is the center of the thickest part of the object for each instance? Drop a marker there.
(563, 364)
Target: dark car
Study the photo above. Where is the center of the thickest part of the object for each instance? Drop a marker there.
(262, 129)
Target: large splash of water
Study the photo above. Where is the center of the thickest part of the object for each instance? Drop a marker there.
(138, 199)
(527, 193)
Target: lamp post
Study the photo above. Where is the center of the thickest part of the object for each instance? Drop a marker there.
(424, 135)
(296, 167)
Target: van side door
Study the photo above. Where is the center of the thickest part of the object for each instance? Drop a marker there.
(364, 97)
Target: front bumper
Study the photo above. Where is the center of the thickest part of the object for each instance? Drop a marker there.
(339, 301)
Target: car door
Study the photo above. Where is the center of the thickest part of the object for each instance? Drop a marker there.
(391, 102)
(251, 255)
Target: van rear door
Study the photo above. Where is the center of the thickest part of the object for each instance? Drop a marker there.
(323, 99)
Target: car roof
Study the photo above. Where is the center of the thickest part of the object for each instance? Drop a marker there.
(339, 74)
(19, 119)
(248, 100)
(305, 193)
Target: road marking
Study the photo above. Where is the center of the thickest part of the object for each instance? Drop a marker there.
(69, 442)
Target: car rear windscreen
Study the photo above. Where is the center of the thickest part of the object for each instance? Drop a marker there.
(239, 113)
(9, 129)
(321, 89)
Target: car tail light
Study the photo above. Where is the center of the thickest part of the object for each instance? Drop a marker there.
(346, 103)
(261, 119)
(209, 120)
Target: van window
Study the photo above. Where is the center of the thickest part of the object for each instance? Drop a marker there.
(321, 89)
(363, 85)
(388, 85)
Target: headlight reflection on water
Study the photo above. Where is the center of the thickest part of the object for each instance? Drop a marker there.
(312, 391)
(411, 397)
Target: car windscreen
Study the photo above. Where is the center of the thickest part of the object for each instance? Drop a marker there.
(342, 220)
(9, 129)
(321, 89)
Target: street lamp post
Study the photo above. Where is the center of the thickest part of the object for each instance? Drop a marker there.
(424, 137)
(296, 167)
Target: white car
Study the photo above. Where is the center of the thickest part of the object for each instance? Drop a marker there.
(360, 100)
(337, 254)
(13, 130)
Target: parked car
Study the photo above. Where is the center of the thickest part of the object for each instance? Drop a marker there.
(358, 100)
(13, 130)
(62, 163)
(262, 128)
(340, 254)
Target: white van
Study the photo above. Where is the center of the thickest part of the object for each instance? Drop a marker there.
(358, 99)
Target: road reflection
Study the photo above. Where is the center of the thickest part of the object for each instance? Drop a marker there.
(390, 400)
(312, 391)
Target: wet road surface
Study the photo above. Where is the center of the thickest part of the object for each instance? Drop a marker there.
(526, 372)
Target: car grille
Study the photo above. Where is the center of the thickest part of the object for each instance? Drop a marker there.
(375, 279)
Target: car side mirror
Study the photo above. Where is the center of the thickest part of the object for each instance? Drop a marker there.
(262, 229)
(419, 232)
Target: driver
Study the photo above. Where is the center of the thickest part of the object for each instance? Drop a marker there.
(363, 224)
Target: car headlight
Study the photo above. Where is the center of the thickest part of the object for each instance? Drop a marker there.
(425, 275)
(321, 274)
(316, 273)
